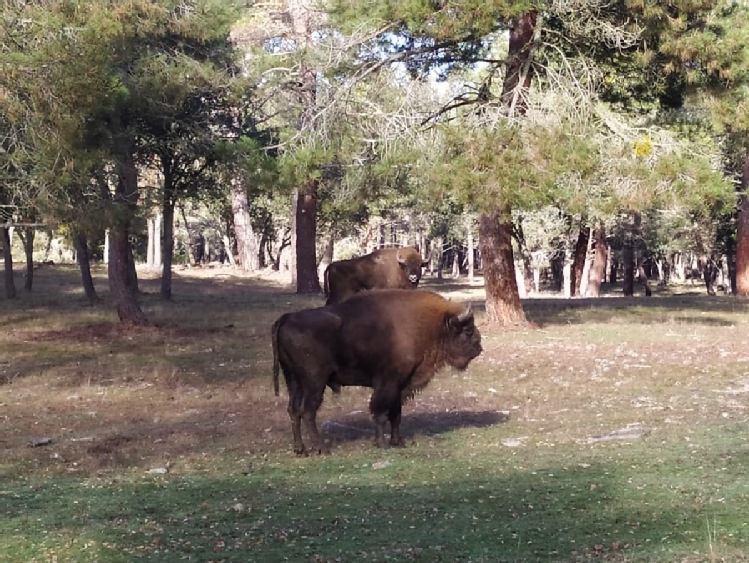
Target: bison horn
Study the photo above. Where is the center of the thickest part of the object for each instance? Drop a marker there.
(399, 258)
(466, 315)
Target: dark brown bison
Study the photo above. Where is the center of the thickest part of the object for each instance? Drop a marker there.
(393, 341)
(387, 268)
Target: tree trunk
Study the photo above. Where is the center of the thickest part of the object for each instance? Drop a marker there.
(470, 253)
(578, 259)
(80, 242)
(495, 227)
(305, 206)
(519, 72)
(123, 287)
(167, 253)
(742, 235)
(10, 284)
(247, 249)
(455, 270)
(439, 242)
(157, 248)
(28, 246)
(525, 279)
(628, 260)
(631, 231)
(495, 244)
(327, 255)
(227, 249)
(598, 268)
(151, 226)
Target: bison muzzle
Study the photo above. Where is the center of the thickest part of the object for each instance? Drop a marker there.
(393, 341)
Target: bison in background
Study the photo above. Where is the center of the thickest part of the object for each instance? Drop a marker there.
(387, 268)
(393, 341)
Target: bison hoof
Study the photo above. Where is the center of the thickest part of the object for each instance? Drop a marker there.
(398, 443)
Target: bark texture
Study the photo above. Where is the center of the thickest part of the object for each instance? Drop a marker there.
(123, 284)
(502, 298)
(598, 268)
(247, 248)
(742, 235)
(495, 227)
(578, 260)
(10, 284)
(80, 242)
(305, 202)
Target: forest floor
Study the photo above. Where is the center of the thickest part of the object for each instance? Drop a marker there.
(612, 429)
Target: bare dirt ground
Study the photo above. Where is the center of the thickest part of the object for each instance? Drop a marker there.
(81, 394)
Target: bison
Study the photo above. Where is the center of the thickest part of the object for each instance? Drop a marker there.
(387, 268)
(393, 341)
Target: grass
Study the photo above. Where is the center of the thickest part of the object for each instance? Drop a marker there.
(612, 430)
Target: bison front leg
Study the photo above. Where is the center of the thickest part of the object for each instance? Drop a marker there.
(382, 405)
(310, 421)
(395, 425)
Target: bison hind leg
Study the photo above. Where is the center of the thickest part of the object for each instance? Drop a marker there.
(310, 405)
(296, 429)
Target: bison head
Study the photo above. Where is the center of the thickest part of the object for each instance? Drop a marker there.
(411, 263)
(463, 340)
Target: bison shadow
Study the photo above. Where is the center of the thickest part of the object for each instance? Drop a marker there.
(360, 425)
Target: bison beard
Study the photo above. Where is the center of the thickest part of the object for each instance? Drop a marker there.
(387, 268)
(393, 341)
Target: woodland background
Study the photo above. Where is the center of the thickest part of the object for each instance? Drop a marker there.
(552, 144)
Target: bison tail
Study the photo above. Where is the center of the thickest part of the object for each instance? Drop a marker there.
(274, 340)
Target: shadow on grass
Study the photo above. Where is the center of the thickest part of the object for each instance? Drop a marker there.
(325, 509)
(689, 309)
(413, 425)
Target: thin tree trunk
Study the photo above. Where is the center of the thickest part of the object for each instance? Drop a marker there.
(440, 243)
(742, 235)
(247, 248)
(307, 280)
(150, 224)
(123, 287)
(190, 253)
(495, 243)
(227, 249)
(578, 258)
(27, 238)
(598, 268)
(80, 242)
(327, 255)
(455, 271)
(471, 250)
(157, 248)
(167, 253)
(525, 281)
(10, 284)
